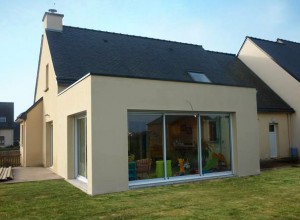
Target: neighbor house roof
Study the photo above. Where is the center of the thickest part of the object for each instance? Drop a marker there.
(7, 112)
(77, 51)
(23, 115)
(285, 53)
(233, 71)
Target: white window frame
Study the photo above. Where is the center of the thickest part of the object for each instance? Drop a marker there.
(178, 179)
(77, 176)
(51, 144)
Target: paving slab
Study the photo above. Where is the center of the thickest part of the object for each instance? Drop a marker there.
(278, 163)
(28, 174)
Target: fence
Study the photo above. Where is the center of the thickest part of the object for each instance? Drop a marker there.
(10, 158)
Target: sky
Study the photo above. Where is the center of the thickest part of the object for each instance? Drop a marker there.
(218, 25)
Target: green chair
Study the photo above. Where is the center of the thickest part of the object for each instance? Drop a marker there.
(160, 168)
(211, 164)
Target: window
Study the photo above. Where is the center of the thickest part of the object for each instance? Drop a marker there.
(182, 145)
(172, 145)
(145, 151)
(2, 119)
(199, 77)
(47, 78)
(215, 143)
(2, 140)
(81, 148)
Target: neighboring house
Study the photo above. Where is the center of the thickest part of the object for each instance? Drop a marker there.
(16, 133)
(278, 65)
(6, 124)
(114, 111)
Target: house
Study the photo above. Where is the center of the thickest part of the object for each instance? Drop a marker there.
(114, 112)
(277, 63)
(6, 124)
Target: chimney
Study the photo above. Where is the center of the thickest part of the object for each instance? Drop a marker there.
(53, 21)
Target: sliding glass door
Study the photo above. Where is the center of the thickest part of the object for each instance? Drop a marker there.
(81, 148)
(175, 145)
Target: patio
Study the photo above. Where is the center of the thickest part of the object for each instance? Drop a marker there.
(28, 174)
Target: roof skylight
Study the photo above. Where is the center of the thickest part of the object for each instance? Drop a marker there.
(199, 77)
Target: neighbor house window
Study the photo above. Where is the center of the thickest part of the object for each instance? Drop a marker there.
(2, 119)
(47, 78)
(2, 140)
(199, 77)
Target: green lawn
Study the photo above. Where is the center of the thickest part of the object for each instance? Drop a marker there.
(272, 195)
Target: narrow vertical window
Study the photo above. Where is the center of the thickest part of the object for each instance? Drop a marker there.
(81, 148)
(2, 140)
(47, 78)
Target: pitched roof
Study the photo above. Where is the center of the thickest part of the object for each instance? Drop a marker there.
(77, 51)
(285, 53)
(233, 71)
(23, 115)
(7, 111)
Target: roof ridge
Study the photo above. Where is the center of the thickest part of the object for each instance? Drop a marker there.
(211, 51)
(288, 41)
(135, 36)
(262, 39)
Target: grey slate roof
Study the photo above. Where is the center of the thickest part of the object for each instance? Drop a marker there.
(285, 53)
(7, 111)
(76, 52)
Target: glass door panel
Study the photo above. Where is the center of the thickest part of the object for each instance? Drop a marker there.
(216, 145)
(145, 148)
(51, 145)
(181, 144)
(81, 147)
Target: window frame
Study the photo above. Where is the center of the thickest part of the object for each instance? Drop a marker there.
(2, 140)
(199, 77)
(47, 78)
(178, 179)
(3, 119)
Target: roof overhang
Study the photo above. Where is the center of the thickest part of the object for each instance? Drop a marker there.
(23, 116)
(275, 110)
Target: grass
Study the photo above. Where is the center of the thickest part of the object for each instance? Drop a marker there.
(274, 194)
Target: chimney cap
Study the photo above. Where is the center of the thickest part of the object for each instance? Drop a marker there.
(52, 10)
(52, 14)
